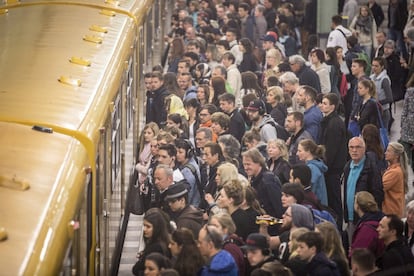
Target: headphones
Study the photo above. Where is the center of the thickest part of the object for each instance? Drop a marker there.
(266, 252)
(185, 143)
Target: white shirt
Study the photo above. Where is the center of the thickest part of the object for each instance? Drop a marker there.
(337, 38)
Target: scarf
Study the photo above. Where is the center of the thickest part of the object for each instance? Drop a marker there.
(364, 23)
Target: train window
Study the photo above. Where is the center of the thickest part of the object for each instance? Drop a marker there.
(116, 139)
(129, 95)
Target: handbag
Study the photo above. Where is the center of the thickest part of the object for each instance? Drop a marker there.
(382, 131)
(134, 198)
(353, 128)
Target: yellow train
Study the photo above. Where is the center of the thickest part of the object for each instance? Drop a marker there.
(71, 103)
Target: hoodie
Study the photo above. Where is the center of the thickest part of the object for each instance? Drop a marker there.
(318, 168)
(366, 235)
(267, 130)
(221, 264)
(320, 265)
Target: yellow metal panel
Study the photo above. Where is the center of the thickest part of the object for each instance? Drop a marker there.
(52, 164)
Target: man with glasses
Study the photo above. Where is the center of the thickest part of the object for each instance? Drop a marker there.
(205, 117)
(360, 174)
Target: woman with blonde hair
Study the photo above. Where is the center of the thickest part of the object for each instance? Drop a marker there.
(275, 99)
(226, 172)
(365, 234)
(149, 132)
(273, 59)
(395, 180)
(332, 246)
(278, 159)
(295, 264)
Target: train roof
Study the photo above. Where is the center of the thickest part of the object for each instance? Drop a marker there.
(37, 43)
(40, 175)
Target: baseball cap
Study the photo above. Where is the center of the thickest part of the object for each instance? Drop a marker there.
(175, 191)
(256, 105)
(269, 38)
(256, 241)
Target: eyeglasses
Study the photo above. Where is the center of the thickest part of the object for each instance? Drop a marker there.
(204, 114)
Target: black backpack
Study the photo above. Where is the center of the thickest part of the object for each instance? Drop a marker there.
(280, 131)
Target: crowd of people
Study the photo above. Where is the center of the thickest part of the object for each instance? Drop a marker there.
(264, 154)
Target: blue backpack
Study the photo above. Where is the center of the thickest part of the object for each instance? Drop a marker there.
(320, 216)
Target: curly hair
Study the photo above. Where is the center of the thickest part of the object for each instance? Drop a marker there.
(234, 190)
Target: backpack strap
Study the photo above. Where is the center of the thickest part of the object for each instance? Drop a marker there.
(198, 182)
(341, 32)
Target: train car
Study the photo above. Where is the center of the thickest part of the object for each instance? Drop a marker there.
(71, 100)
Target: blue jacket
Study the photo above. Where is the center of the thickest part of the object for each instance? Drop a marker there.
(312, 122)
(318, 168)
(221, 264)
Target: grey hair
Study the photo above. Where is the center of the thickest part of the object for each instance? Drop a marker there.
(168, 171)
(389, 44)
(410, 206)
(289, 77)
(231, 145)
(297, 59)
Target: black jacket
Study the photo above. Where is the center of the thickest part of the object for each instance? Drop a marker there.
(369, 180)
(378, 14)
(368, 114)
(333, 135)
(248, 63)
(237, 125)
(320, 265)
(401, 15)
(268, 189)
(156, 111)
(279, 113)
(309, 77)
(281, 169)
(397, 255)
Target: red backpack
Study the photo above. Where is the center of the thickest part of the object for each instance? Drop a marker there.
(343, 88)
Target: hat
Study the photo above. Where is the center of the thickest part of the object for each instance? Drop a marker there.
(269, 38)
(256, 241)
(175, 191)
(302, 216)
(256, 105)
(274, 34)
